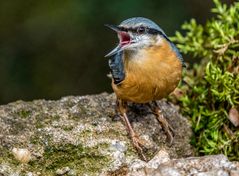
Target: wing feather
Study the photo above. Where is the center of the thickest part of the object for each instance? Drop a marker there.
(116, 65)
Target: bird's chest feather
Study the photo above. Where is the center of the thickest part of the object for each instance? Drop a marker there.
(149, 75)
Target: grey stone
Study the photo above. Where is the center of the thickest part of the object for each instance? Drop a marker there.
(83, 135)
(214, 165)
(63, 171)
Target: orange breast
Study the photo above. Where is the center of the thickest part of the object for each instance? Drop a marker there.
(150, 75)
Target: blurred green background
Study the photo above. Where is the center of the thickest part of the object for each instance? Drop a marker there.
(49, 49)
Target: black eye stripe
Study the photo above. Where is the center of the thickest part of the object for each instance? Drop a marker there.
(129, 29)
(147, 30)
(123, 29)
(154, 31)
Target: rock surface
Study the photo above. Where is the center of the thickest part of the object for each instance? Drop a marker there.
(162, 165)
(82, 136)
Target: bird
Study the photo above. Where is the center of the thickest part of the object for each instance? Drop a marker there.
(145, 67)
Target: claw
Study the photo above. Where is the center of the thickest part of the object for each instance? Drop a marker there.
(162, 120)
(139, 145)
(166, 127)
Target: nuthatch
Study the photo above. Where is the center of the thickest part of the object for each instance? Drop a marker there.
(146, 66)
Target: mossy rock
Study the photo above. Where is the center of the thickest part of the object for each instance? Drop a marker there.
(84, 135)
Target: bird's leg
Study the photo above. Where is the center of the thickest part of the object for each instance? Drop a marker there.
(162, 120)
(138, 144)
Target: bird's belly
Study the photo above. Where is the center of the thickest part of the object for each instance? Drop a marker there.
(143, 88)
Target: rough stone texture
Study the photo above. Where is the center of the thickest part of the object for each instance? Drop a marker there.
(82, 136)
(162, 165)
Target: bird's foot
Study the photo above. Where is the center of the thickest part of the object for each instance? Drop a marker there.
(139, 145)
(166, 126)
(163, 121)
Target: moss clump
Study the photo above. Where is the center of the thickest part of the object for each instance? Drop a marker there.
(7, 156)
(212, 86)
(81, 159)
(67, 128)
(43, 120)
(24, 113)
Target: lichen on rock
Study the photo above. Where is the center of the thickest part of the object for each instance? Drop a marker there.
(83, 134)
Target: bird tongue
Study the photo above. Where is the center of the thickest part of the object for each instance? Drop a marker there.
(124, 38)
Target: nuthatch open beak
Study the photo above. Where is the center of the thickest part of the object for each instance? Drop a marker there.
(124, 38)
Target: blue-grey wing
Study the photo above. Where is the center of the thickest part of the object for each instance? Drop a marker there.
(116, 65)
(175, 49)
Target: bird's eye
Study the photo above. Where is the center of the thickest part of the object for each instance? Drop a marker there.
(141, 30)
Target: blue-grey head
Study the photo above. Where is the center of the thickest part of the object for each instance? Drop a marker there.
(135, 33)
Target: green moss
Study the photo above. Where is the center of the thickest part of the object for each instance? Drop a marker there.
(79, 158)
(67, 128)
(24, 113)
(54, 118)
(212, 86)
(7, 156)
(41, 139)
(39, 125)
(42, 120)
(82, 111)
